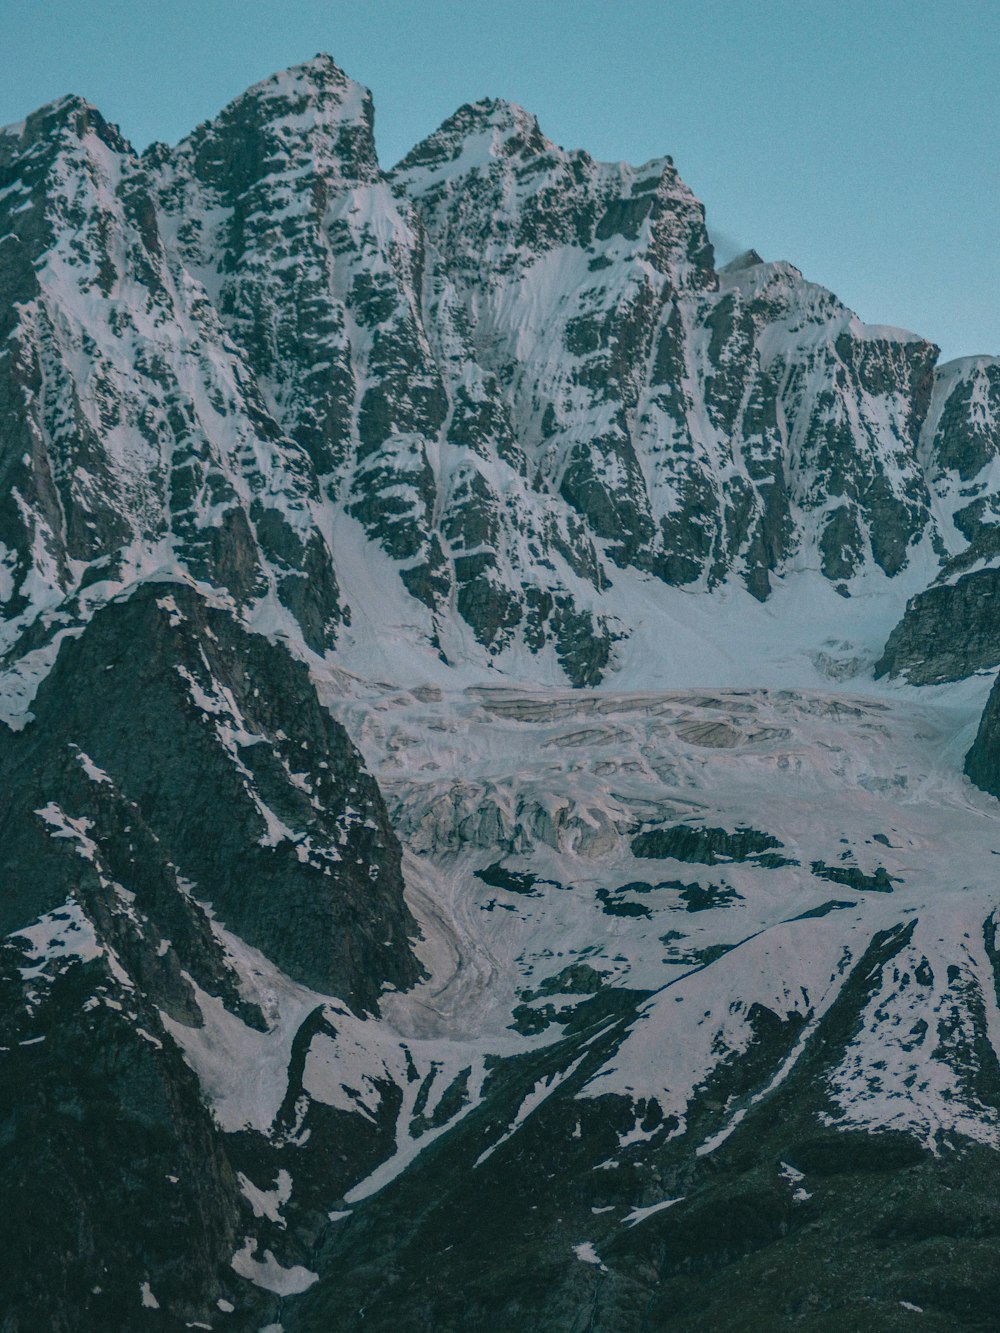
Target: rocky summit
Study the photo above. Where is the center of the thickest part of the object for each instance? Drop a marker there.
(499, 750)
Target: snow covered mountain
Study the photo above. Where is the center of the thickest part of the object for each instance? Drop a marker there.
(488, 698)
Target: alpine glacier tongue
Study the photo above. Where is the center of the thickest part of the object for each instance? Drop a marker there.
(460, 868)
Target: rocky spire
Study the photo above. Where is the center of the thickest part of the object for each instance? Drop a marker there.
(309, 123)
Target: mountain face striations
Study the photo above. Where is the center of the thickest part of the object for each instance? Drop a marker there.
(486, 697)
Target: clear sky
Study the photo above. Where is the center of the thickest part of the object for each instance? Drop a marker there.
(858, 138)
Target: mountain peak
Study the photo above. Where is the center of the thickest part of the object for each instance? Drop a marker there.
(489, 128)
(65, 106)
(70, 114)
(309, 113)
(321, 77)
(500, 113)
(748, 259)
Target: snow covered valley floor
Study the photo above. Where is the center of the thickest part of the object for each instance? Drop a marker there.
(532, 820)
(723, 967)
(705, 997)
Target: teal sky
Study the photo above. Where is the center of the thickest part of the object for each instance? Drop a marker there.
(858, 138)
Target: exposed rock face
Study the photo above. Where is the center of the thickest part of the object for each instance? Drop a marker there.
(516, 368)
(950, 629)
(114, 1174)
(211, 745)
(136, 435)
(697, 421)
(982, 763)
(948, 632)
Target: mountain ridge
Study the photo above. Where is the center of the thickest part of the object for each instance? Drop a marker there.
(611, 486)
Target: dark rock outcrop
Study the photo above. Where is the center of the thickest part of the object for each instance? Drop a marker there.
(948, 632)
(179, 777)
(709, 846)
(221, 766)
(982, 763)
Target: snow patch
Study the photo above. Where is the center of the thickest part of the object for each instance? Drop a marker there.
(269, 1274)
